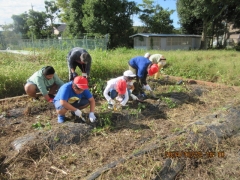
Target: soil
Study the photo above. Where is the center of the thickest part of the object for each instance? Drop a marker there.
(135, 142)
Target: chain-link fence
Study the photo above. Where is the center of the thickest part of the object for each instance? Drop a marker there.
(86, 42)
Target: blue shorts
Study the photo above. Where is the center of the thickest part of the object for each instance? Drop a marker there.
(76, 104)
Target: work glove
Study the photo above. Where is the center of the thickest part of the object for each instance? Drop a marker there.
(84, 75)
(92, 117)
(147, 87)
(74, 74)
(118, 98)
(134, 97)
(111, 101)
(78, 113)
(122, 104)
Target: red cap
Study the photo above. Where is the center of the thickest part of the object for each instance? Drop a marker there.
(153, 69)
(81, 82)
(121, 86)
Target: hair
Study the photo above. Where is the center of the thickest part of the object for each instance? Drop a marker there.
(85, 57)
(48, 70)
(75, 86)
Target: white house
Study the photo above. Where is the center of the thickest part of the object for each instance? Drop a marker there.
(166, 41)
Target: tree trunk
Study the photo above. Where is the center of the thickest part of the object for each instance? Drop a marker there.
(204, 32)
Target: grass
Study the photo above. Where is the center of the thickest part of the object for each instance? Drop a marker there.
(215, 66)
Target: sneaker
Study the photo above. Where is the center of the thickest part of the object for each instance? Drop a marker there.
(61, 118)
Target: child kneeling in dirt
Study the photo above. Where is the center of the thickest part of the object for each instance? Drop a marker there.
(42, 80)
(74, 96)
(116, 88)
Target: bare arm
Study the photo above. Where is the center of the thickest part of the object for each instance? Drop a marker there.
(92, 104)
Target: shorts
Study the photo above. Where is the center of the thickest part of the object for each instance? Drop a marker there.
(30, 82)
(76, 104)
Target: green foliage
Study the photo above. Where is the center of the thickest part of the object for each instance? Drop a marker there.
(20, 24)
(73, 15)
(155, 18)
(109, 17)
(216, 66)
(37, 23)
(174, 88)
(37, 125)
(208, 16)
(105, 120)
(169, 102)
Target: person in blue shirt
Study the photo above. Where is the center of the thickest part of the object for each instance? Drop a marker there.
(73, 96)
(142, 67)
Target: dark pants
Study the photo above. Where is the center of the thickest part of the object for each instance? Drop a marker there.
(82, 67)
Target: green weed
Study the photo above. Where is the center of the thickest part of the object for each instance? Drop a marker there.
(169, 102)
(37, 125)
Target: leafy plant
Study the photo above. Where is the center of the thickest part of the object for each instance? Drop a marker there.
(169, 102)
(37, 125)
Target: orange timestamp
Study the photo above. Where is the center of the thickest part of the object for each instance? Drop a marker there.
(194, 154)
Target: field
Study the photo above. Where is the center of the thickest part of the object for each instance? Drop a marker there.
(191, 131)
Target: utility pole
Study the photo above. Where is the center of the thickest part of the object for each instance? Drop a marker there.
(32, 37)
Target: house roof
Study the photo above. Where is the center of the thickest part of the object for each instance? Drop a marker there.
(164, 35)
(60, 27)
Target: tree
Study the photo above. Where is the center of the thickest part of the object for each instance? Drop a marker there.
(155, 18)
(211, 12)
(20, 24)
(8, 37)
(37, 22)
(72, 15)
(110, 17)
(52, 12)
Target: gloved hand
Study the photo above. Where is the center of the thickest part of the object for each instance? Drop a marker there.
(111, 101)
(92, 117)
(50, 100)
(84, 75)
(122, 104)
(147, 87)
(118, 98)
(74, 74)
(134, 97)
(78, 113)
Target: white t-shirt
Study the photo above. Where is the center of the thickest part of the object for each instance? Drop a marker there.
(112, 84)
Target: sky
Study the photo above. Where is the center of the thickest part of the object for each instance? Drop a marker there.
(166, 4)
(16, 7)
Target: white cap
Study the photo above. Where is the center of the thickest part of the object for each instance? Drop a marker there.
(147, 55)
(129, 73)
